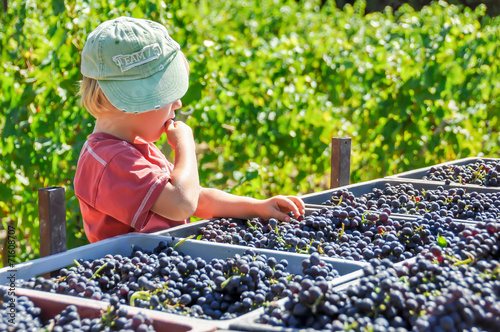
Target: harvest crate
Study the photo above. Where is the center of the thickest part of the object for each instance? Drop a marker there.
(122, 245)
(187, 230)
(402, 217)
(52, 304)
(388, 296)
(193, 228)
(348, 270)
(420, 173)
(312, 200)
(316, 200)
(251, 323)
(325, 243)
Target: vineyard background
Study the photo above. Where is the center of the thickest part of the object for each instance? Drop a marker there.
(271, 83)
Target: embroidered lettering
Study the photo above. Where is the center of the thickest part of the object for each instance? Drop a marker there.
(129, 61)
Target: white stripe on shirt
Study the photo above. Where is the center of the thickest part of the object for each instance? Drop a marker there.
(144, 201)
(93, 154)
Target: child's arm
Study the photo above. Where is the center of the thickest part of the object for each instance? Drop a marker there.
(179, 198)
(215, 203)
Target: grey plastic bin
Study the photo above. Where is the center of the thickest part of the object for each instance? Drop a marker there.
(358, 189)
(250, 322)
(420, 173)
(193, 227)
(349, 270)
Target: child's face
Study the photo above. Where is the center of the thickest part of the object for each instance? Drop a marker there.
(152, 123)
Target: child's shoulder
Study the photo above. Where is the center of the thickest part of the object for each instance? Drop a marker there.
(105, 147)
(108, 141)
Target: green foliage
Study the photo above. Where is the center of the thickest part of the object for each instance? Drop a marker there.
(271, 83)
(493, 6)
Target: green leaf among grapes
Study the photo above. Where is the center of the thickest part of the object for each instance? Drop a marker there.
(441, 241)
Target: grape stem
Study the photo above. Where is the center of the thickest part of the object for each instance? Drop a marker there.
(184, 240)
(96, 273)
(143, 295)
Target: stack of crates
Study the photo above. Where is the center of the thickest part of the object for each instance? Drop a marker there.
(350, 271)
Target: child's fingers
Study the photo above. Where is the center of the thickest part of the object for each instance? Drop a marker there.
(299, 203)
(285, 205)
(281, 216)
(168, 123)
(292, 204)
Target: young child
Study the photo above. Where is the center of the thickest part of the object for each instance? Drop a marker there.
(134, 76)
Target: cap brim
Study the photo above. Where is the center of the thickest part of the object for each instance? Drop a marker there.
(153, 92)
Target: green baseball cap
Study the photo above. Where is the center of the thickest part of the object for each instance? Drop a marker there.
(139, 67)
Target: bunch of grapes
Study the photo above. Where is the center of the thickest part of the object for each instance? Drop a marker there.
(339, 232)
(480, 173)
(371, 235)
(113, 318)
(166, 280)
(27, 318)
(405, 199)
(453, 287)
(18, 313)
(424, 296)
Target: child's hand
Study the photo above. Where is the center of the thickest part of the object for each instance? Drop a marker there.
(279, 206)
(178, 134)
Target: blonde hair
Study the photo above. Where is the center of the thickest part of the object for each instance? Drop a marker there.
(93, 99)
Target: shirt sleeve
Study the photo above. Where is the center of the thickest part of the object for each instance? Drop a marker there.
(129, 186)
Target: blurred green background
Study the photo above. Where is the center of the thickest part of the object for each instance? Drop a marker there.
(271, 83)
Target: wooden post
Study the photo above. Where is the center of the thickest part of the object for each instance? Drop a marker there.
(341, 162)
(52, 215)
